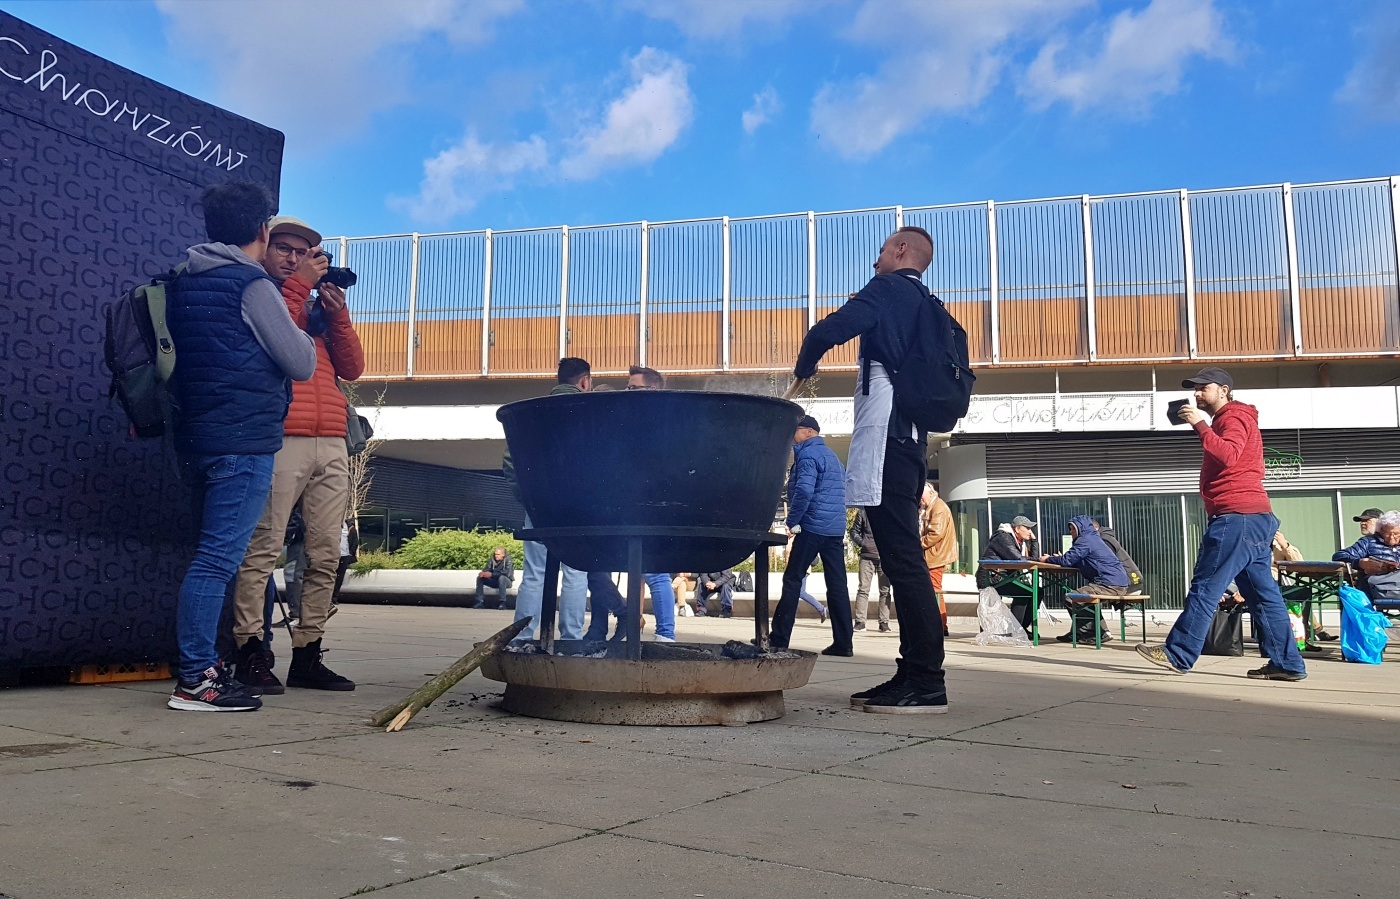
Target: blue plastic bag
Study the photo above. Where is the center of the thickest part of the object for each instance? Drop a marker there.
(1363, 628)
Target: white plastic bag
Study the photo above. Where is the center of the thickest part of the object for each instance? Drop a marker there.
(998, 625)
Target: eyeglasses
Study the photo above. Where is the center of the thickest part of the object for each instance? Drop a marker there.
(282, 249)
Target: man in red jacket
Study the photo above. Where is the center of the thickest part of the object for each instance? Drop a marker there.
(311, 466)
(1237, 543)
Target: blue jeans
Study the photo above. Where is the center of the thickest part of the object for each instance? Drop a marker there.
(605, 597)
(663, 603)
(1235, 547)
(231, 492)
(528, 599)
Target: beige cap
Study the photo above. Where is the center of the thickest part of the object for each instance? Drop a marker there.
(285, 224)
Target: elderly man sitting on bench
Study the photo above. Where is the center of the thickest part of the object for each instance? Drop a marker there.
(1103, 573)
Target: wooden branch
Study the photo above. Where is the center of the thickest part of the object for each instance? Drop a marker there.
(398, 714)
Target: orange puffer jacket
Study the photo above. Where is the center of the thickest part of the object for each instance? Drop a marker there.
(318, 406)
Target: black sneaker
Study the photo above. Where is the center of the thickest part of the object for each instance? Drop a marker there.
(307, 672)
(1269, 672)
(859, 625)
(214, 693)
(907, 699)
(834, 650)
(858, 699)
(253, 669)
(884, 627)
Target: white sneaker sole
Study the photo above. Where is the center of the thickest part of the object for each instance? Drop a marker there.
(906, 709)
(194, 705)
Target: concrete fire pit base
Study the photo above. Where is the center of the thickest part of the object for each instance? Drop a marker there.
(674, 684)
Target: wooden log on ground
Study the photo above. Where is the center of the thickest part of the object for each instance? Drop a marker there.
(398, 714)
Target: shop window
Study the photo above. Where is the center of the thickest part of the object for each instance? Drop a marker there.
(1149, 527)
(1055, 513)
(442, 524)
(1309, 520)
(402, 527)
(1353, 502)
(374, 528)
(973, 529)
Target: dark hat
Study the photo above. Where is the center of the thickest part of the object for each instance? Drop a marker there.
(808, 421)
(1210, 376)
(1369, 513)
(1021, 521)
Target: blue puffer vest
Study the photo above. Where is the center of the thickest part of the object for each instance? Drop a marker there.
(233, 398)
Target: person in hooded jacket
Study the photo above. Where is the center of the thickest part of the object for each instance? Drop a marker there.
(817, 522)
(1236, 542)
(1100, 568)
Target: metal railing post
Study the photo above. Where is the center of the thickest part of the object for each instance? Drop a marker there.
(413, 307)
(487, 250)
(1295, 302)
(1188, 259)
(725, 298)
(1395, 221)
(642, 336)
(1091, 316)
(899, 217)
(563, 291)
(811, 269)
(993, 288)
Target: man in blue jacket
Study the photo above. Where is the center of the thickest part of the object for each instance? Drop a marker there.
(816, 522)
(1099, 565)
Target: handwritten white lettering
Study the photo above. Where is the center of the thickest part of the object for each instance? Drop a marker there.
(6, 72)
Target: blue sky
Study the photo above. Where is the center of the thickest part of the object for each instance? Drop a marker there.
(436, 115)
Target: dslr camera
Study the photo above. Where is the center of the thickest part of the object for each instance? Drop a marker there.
(340, 277)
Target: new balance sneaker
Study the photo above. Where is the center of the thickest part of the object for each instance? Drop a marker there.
(1269, 672)
(660, 639)
(1157, 655)
(307, 670)
(253, 669)
(215, 692)
(908, 699)
(858, 699)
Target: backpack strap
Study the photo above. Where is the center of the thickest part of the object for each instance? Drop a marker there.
(160, 325)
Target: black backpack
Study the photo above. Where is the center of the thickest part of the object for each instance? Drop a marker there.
(141, 356)
(933, 385)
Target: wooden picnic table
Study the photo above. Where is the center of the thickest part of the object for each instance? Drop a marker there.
(1027, 573)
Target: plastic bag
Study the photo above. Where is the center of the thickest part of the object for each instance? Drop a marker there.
(1363, 628)
(998, 625)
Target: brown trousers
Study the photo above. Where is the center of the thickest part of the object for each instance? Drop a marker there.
(316, 471)
(935, 575)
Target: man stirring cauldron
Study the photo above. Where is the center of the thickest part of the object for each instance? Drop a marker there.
(887, 464)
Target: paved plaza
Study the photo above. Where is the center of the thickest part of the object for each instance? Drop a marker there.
(1057, 772)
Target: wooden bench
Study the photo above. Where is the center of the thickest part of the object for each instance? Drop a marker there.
(1094, 599)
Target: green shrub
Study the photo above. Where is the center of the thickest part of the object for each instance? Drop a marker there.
(452, 550)
(373, 560)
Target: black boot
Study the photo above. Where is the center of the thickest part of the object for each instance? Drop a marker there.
(252, 668)
(308, 672)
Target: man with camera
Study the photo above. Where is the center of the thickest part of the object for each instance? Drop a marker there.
(312, 466)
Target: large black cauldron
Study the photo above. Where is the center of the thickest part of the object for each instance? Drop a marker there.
(624, 463)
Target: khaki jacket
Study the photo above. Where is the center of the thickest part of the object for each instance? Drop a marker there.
(938, 534)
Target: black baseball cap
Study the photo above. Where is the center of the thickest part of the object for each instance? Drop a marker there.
(1368, 514)
(808, 421)
(1210, 376)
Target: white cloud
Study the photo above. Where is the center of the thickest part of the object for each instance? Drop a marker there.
(318, 69)
(718, 19)
(765, 106)
(1140, 56)
(456, 179)
(639, 125)
(1373, 85)
(941, 58)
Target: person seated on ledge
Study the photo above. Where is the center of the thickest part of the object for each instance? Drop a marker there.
(1014, 541)
(498, 573)
(1106, 575)
(1377, 557)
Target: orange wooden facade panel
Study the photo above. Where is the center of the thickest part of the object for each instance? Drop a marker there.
(608, 342)
(843, 356)
(1350, 319)
(767, 338)
(976, 318)
(524, 345)
(1149, 326)
(1137, 326)
(386, 348)
(1243, 323)
(684, 341)
(1033, 330)
(448, 346)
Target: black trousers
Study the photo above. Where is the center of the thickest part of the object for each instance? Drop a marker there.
(806, 547)
(895, 523)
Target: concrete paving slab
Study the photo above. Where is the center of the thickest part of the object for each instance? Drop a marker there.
(561, 779)
(986, 845)
(625, 868)
(189, 828)
(22, 751)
